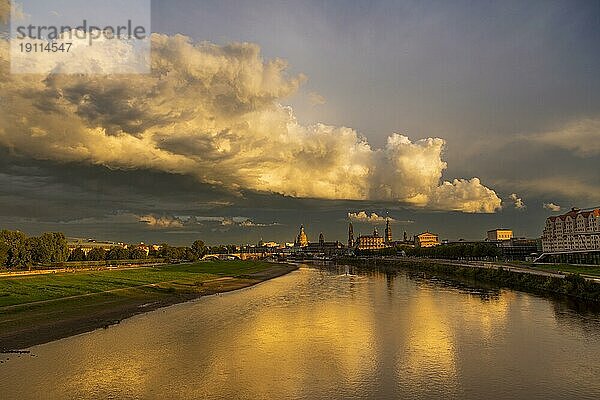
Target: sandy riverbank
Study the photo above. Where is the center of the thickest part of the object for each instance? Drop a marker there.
(26, 325)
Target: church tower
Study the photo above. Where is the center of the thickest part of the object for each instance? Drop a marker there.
(321, 239)
(350, 235)
(388, 232)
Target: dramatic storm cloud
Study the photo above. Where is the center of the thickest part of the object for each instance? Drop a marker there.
(214, 112)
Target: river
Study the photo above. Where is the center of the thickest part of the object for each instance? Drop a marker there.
(327, 333)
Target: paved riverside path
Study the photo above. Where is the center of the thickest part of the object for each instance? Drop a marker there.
(492, 265)
(12, 274)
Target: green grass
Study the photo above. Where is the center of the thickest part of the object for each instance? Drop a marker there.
(39, 308)
(33, 288)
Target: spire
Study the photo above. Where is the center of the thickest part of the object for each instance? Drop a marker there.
(388, 231)
(321, 239)
(350, 235)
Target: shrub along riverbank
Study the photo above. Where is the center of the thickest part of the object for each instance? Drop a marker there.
(572, 285)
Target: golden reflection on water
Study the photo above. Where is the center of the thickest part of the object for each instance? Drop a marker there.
(129, 373)
(330, 338)
(314, 334)
(429, 349)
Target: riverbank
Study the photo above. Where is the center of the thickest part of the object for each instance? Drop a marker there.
(40, 309)
(539, 282)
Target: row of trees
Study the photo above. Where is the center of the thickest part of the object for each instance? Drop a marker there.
(17, 250)
(456, 251)
(195, 252)
(446, 251)
(114, 253)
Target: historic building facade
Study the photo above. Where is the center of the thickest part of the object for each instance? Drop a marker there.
(371, 242)
(427, 239)
(325, 248)
(577, 230)
(500, 234)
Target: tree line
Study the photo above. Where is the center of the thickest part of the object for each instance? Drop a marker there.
(18, 251)
(192, 253)
(572, 285)
(457, 251)
(453, 251)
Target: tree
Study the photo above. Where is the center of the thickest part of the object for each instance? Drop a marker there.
(96, 254)
(117, 253)
(50, 247)
(77, 255)
(190, 254)
(15, 243)
(177, 253)
(39, 249)
(137, 254)
(165, 251)
(3, 254)
(199, 249)
(60, 250)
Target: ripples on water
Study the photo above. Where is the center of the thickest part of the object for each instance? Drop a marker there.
(329, 333)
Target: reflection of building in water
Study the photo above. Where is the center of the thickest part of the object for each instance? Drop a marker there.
(301, 239)
(427, 239)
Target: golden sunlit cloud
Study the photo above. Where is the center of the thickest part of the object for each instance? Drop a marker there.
(215, 113)
(517, 201)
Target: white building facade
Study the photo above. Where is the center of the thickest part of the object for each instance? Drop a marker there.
(577, 230)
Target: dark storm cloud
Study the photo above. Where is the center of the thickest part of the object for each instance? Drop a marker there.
(487, 76)
(85, 201)
(501, 81)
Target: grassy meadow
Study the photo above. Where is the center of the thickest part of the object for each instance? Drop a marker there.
(38, 308)
(34, 288)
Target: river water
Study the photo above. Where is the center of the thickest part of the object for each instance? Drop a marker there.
(327, 333)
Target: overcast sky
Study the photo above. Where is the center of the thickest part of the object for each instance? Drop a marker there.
(272, 114)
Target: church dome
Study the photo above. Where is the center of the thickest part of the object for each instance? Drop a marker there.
(302, 240)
